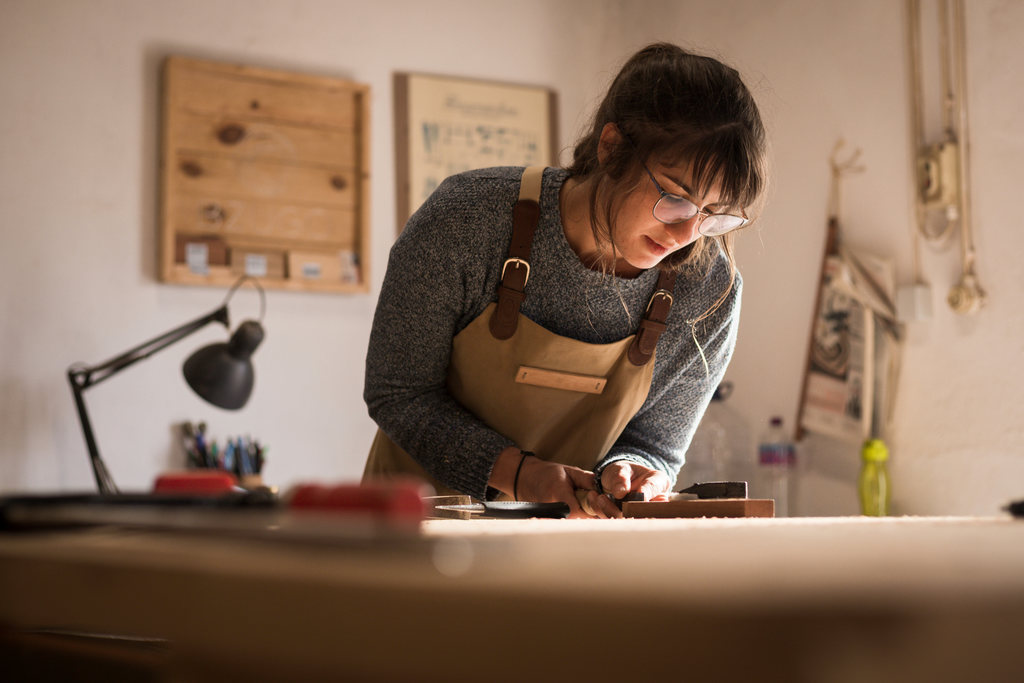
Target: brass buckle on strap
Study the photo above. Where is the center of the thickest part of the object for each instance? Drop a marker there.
(662, 293)
(517, 262)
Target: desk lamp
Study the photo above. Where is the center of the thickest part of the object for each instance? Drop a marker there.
(220, 373)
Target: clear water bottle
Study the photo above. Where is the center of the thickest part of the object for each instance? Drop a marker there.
(709, 450)
(776, 457)
(873, 484)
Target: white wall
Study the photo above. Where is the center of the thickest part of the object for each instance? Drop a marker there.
(829, 70)
(78, 175)
(78, 207)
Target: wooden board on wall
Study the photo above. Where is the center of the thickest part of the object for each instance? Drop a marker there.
(264, 161)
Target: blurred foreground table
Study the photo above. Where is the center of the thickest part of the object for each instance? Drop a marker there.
(826, 599)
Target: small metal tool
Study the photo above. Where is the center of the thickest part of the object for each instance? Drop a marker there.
(511, 509)
(718, 489)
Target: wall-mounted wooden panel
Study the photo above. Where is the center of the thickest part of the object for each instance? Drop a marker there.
(266, 171)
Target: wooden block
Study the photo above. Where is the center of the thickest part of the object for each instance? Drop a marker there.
(719, 507)
(555, 379)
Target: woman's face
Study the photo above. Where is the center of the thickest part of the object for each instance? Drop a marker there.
(641, 240)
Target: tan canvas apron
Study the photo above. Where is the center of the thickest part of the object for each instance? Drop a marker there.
(564, 399)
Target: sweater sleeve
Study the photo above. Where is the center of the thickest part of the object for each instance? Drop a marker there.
(431, 285)
(659, 434)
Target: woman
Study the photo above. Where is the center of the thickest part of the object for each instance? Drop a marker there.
(556, 335)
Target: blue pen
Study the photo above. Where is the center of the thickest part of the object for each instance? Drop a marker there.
(229, 456)
(201, 449)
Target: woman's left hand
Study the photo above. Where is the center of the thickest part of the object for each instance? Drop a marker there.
(624, 477)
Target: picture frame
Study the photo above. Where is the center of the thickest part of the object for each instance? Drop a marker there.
(446, 125)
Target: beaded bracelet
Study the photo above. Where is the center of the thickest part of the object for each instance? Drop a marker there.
(515, 482)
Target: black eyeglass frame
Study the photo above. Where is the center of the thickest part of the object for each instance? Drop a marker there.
(697, 210)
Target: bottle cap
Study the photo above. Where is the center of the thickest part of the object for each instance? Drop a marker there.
(875, 451)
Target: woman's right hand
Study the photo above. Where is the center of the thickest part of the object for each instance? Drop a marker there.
(541, 481)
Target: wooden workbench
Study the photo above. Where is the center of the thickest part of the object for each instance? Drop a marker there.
(831, 599)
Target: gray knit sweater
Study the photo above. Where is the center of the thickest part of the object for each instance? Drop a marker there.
(443, 272)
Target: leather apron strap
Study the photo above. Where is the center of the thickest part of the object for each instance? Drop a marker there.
(653, 323)
(516, 270)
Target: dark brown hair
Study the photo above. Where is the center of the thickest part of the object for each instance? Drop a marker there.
(679, 108)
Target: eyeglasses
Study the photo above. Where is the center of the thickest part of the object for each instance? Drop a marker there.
(673, 208)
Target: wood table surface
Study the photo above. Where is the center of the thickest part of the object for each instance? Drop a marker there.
(805, 599)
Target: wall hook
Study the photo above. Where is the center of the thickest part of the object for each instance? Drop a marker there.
(840, 168)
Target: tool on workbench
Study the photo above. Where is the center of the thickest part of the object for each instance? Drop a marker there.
(499, 509)
(718, 489)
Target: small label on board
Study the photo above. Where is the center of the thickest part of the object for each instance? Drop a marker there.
(311, 270)
(256, 265)
(349, 267)
(197, 257)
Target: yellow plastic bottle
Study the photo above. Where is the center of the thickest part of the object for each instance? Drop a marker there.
(873, 483)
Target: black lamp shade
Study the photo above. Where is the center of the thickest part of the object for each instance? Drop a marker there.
(222, 373)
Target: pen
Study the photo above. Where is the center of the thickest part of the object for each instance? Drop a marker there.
(229, 456)
(252, 451)
(201, 449)
(240, 464)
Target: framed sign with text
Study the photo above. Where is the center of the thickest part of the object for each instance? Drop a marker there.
(447, 125)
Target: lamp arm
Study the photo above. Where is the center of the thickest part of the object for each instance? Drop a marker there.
(81, 378)
(88, 376)
(104, 482)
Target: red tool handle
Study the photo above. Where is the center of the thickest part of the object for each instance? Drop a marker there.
(392, 500)
(198, 482)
